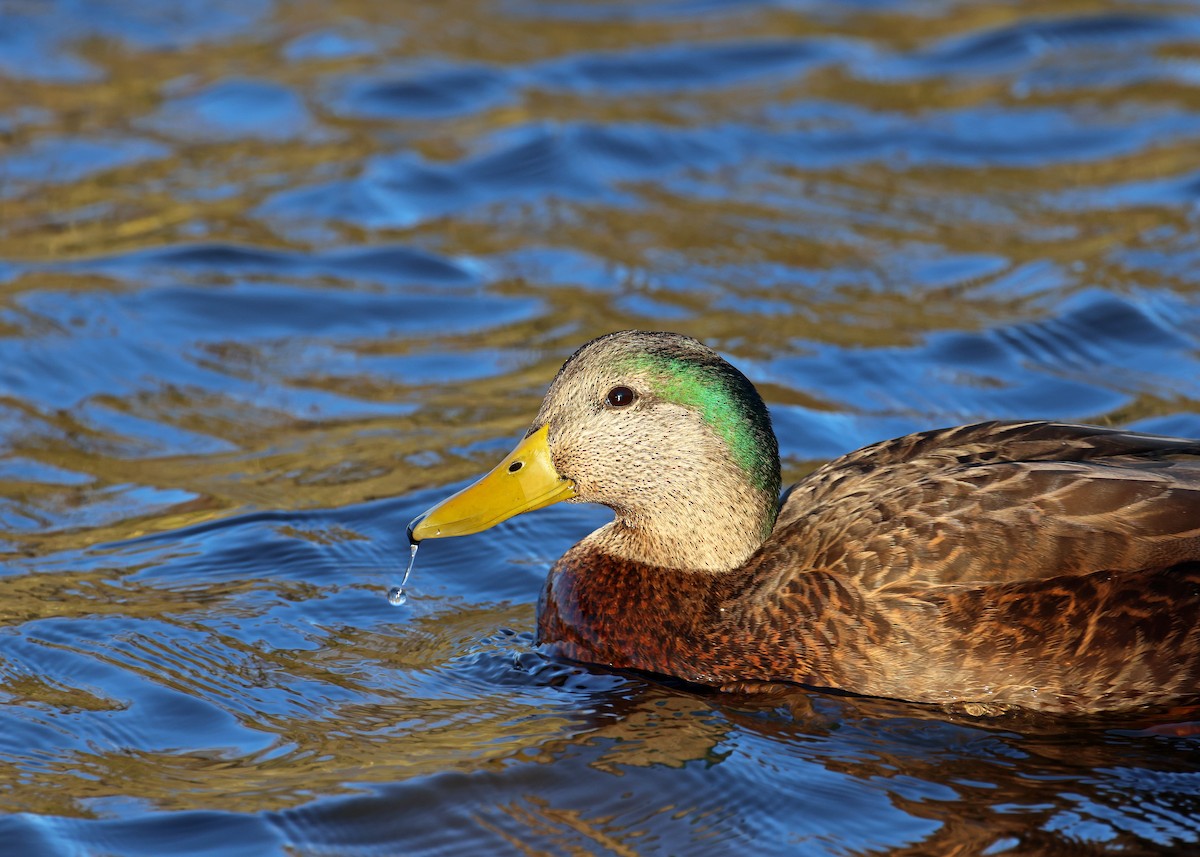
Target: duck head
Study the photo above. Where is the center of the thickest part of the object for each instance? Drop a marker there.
(659, 428)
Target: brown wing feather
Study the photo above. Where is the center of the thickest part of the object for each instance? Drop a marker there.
(1091, 641)
(998, 502)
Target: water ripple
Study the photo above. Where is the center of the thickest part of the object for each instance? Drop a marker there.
(428, 93)
(685, 67)
(275, 278)
(1005, 48)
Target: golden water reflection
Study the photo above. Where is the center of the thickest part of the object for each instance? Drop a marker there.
(274, 276)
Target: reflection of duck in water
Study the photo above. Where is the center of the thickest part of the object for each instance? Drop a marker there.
(1039, 564)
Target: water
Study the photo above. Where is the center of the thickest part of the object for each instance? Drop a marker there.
(274, 278)
(397, 595)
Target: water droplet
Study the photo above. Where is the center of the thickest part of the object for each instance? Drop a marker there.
(396, 595)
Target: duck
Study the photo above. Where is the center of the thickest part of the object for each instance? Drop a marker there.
(999, 566)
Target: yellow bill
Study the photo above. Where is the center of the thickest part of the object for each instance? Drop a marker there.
(524, 481)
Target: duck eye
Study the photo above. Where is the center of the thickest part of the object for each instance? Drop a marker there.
(620, 397)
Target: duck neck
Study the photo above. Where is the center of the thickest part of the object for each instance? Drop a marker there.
(714, 533)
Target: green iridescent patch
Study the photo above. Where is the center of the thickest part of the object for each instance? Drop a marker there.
(705, 389)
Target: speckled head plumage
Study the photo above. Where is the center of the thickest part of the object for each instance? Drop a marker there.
(690, 465)
(684, 371)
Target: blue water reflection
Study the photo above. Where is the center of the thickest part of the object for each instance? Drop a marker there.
(276, 277)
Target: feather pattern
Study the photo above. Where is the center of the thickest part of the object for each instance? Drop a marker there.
(1037, 564)
(1040, 564)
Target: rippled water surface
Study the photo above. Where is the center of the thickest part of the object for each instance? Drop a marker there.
(275, 276)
